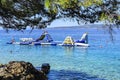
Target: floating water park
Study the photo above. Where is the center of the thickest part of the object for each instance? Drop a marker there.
(46, 39)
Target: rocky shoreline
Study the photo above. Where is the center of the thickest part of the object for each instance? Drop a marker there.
(20, 70)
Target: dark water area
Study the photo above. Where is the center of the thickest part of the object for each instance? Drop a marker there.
(70, 75)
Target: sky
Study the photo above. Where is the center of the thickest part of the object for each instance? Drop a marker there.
(62, 23)
(66, 23)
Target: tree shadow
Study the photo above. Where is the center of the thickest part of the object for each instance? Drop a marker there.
(70, 75)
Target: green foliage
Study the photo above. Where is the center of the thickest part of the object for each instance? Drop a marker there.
(18, 14)
(72, 3)
(88, 3)
(50, 6)
(103, 17)
(106, 17)
(4, 2)
(64, 3)
(7, 4)
(119, 17)
(47, 4)
(67, 3)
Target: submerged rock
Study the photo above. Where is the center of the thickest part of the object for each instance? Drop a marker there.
(20, 70)
(45, 68)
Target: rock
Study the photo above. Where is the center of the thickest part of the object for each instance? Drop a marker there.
(1, 65)
(20, 70)
(45, 68)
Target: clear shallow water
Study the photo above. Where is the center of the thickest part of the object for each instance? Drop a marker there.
(100, 61)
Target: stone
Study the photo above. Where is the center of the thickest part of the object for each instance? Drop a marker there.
(45, 68)
(20, 70)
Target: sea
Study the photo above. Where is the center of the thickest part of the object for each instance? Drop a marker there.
(99, 61)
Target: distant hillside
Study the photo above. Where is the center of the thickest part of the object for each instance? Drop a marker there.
(82, 26)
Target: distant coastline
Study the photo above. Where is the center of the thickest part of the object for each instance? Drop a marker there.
(82, 26)
(99, 26)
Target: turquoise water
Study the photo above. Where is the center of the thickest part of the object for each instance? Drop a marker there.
(100, 61)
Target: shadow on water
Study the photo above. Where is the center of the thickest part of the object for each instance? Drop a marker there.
(70, 75)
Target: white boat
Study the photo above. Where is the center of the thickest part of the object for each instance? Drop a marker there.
(16, 43)
(26, 39)
(82, 44)
(83, 41)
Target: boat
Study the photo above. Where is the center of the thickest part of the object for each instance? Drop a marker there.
(25, 41)
(44, 43)
(68, 41)
(53, 44)
(83, 42)
(44, 39)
